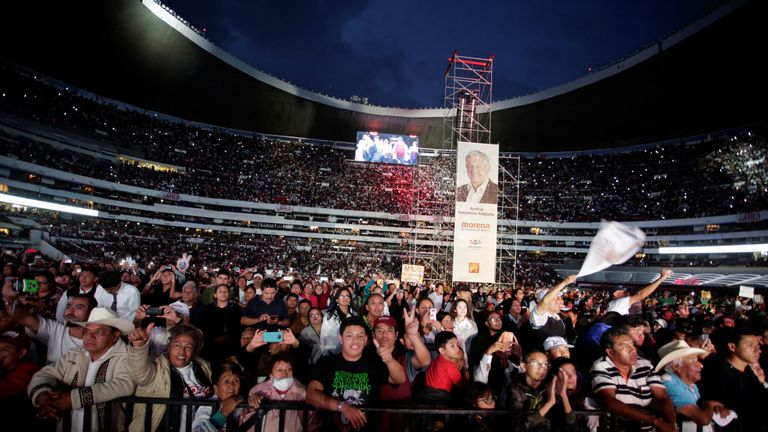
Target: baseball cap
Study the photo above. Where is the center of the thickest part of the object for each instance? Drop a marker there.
(19, 340)
(543, 293)
(385, 320)
(180, 308)
(554, 342)
(619, 288)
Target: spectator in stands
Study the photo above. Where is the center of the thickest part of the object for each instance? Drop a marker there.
(222, 278)
(15, 374)
(342, 382)
(291, 303)
(226, 387)
(161, 288)
(447, 373)
(556, 347)
(729, 379)
(464, 326)
(622, 300)
(683, 370)
(88, 285)
(301, 319)
(189, 296)
(336, 314)
(266, 310)
(514, 320)
(374, 308)
(220, 323)
(179, 374)
(545, 321)
(413, 355)
(628, 387)
(282, 386)
(530, 399)
(310, 336)
(437, 296)
(59, 337)
(92, 375)
(121, 297)
(47, 298)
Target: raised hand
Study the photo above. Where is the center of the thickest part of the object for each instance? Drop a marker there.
(256, 342)
(411, 322)
(289, 338)
(139, 336)
(384, 352)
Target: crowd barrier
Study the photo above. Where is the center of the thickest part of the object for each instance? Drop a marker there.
(119, 414)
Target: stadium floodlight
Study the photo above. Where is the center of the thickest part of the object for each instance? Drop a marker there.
(748, 248)
(26, 202)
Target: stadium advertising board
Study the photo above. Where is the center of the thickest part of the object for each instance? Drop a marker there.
(474, 235)
(387, 148)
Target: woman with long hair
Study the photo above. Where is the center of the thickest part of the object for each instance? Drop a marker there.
(339, 310)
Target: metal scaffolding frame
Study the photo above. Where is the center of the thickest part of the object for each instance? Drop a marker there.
(467, 103)
(467, 100)
(431, 236)
(509, 209)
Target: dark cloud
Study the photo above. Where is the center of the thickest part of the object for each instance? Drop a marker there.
(395, 52)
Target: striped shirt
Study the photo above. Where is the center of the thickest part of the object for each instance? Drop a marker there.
(636, 390)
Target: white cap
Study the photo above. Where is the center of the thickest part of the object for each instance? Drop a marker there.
(180, 307)
(554, 342)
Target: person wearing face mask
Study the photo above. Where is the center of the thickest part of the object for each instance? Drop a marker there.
(281, 386)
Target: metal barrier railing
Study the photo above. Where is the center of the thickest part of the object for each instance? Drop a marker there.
(120, 412)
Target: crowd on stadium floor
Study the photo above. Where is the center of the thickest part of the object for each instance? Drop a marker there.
(542, 351)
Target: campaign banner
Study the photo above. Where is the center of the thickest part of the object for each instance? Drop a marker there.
(412, 274)
(476, 216)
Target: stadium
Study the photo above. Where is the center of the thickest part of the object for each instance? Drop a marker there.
(133, 144)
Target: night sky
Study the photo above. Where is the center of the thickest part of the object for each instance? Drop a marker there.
(395, 52)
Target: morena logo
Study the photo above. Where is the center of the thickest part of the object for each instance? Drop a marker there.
(476, 225)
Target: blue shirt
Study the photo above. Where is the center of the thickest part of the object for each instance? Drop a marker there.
(680, 393)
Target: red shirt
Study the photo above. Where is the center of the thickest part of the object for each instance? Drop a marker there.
(442, 374)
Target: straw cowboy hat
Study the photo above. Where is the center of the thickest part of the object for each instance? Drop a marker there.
(675, 350)
(107, 317)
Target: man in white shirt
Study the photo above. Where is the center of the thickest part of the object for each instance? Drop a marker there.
(121, 297)
(622, 300)
(480, 188)
(89, 280)
(60, 337)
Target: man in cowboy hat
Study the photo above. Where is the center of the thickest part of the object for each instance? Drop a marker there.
(88, 376)
(683, 369)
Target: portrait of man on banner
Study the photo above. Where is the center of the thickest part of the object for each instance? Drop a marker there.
(480, 189)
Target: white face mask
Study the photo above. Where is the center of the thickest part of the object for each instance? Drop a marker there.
(282, 384)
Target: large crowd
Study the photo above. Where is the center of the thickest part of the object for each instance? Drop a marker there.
(662, 182)
(233, 323)
(539, 356)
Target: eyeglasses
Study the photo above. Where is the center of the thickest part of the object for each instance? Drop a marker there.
(539, 364)
(494, 319)
(315, 315)
(344, 296)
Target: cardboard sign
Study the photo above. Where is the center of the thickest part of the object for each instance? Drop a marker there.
(747, 292)
(412, 274)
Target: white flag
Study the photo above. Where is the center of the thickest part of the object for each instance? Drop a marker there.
(614, 244)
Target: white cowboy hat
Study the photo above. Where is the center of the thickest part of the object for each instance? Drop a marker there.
(675, 350)
(106, 317)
